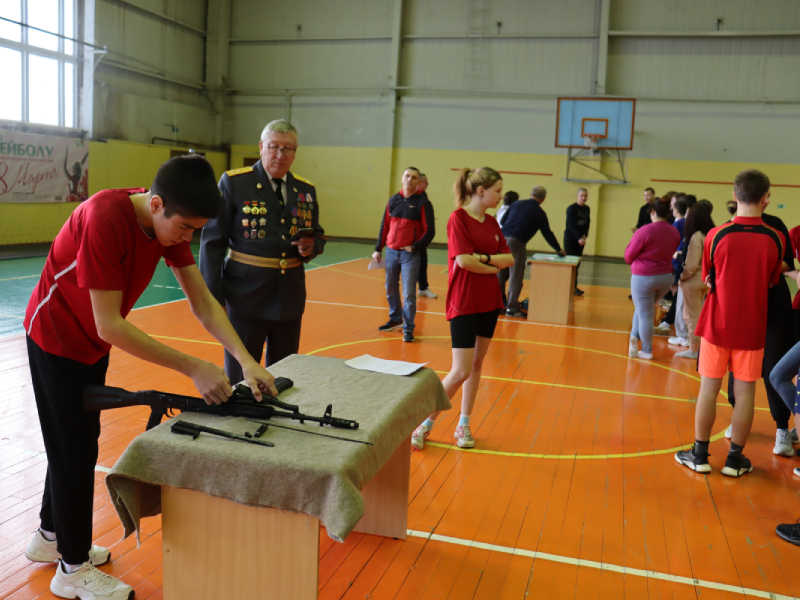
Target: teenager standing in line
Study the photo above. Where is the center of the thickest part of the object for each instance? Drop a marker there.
(424, 290)
(649, 254)
(476, 251)
(100, 263)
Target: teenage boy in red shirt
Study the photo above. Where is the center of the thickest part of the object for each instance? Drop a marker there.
(100, 263)
(741, 261)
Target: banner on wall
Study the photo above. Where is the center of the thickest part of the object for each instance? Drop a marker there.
(43, 168)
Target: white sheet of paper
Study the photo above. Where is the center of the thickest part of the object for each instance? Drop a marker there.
(365, 362)
(376, 264)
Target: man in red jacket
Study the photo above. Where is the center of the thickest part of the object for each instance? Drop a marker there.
(406, 229)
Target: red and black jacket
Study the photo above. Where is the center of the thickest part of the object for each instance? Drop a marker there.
(407, 222)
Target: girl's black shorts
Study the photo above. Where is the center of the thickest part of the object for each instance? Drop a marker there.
(465, 328)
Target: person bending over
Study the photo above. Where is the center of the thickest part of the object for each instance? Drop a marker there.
(741, 261)
(523, 220)
(99, 264)
(476, 251)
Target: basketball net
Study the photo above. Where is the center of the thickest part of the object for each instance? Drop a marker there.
(590, 141)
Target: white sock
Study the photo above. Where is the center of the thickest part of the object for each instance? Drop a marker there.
(50, 536)
(70, 568)
(463, 420)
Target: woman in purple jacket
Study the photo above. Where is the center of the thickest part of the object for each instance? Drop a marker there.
(649, 254)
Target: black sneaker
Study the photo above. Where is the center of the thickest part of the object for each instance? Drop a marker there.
(736, 467)
(408, 336)
(515, 313)
(688, 459)
(579, 292)
(789, 532)
(390, 325)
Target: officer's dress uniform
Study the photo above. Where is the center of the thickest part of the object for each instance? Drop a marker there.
(250, 265)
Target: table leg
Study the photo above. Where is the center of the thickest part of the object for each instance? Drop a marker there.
(386, 497)
(572, 286)
(216, 548)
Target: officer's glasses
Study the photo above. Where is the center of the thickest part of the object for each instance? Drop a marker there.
(285, 150)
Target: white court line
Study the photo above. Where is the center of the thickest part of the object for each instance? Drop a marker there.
(517, 321)
(315, 267)
(591, 564)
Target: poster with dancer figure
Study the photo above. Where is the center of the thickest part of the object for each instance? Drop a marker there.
(39, 168)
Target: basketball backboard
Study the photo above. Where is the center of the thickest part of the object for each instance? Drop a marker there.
(609, 121)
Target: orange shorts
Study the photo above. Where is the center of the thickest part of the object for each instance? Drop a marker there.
(716, 360)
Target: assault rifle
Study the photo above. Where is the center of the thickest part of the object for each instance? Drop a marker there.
(241, 404)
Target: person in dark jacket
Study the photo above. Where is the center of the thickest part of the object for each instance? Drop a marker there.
(645, 209)
(522, 221)
(406, 228)
(578, 220)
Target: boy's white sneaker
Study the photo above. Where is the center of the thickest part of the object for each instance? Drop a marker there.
(783, 443)
(89, 583)
(729, 431)
(419, 436)
(633, 348)
(40, 549)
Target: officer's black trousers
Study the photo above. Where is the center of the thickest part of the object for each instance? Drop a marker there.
(70, 441)
(282, 338)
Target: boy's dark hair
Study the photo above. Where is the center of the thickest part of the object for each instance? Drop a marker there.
(661, 208)
(510, 197)
(731, 206)
(187, 186)
(690, 200)
(750, 186)
(651, 190)
(412, 169)
(681, 207)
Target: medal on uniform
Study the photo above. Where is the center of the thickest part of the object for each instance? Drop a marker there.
(262, 234)
(246, 222)
(262, 221)
(258, 185)
(309, 199)
(246, 235)
(253, 223)
(294, 221)
(263, 209)
(246, 208)
(253, 233)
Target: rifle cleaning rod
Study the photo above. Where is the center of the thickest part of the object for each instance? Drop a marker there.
(333, 437)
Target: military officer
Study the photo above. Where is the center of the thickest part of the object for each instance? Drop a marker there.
(247, 255)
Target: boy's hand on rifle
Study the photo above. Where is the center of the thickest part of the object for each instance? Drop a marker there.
(258, 379)
(212, 383)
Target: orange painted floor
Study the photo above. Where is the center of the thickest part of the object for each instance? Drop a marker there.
(572, 491)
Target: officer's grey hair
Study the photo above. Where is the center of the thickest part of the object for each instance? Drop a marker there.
(583, 190)
(279, 126)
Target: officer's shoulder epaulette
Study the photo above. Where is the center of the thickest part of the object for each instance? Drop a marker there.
(233, 172)
(302, 179)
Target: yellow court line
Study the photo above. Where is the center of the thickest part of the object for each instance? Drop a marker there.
(166, 337)
(22, 277)
(714, 438)
(11, 316)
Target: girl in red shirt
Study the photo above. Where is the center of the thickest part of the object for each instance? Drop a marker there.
(476, 251)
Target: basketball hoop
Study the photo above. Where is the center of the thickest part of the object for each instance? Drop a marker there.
(590, 140)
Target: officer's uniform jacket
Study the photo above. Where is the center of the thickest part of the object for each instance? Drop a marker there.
(274, 294)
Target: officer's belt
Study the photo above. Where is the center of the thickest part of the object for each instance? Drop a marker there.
(262, 261)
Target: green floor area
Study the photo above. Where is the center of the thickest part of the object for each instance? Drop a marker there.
(18, 277)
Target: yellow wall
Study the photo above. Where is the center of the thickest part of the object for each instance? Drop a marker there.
(355, 183)
(114, 164)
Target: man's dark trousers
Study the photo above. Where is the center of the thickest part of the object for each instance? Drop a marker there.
(573, 248)
(70, 441)
(515, 273)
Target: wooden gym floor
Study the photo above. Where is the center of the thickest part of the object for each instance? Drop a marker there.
(572, 490)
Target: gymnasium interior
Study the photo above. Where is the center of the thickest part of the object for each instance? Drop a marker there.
(571, 490)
